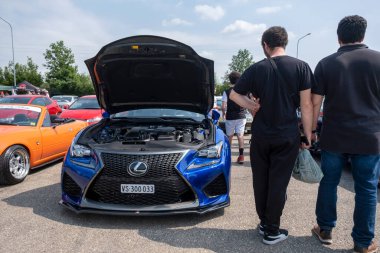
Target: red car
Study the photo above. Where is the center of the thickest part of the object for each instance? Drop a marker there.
(85, 108)
(51, 105)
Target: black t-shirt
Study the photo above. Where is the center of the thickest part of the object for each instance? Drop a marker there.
(350, 81)
(277, 115)
(234, 111)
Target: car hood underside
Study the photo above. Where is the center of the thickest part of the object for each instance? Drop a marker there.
(150, 71)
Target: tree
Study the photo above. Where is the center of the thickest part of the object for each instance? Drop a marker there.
(2, 79)
(84, 85)
(28, 72)
(62, 71)
(239, 63)
(220, 88)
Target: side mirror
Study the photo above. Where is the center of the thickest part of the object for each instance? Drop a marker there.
(65, 107)
(106, 115)
(215, 115)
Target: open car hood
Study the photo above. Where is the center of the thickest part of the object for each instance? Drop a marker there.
(151, 72)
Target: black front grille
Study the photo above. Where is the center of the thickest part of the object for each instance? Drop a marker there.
(70, 187)
(217, 187)
(170, 188)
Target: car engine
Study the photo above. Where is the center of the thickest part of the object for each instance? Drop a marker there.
(123, 135)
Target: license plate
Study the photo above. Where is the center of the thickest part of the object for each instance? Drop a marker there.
(137, 188)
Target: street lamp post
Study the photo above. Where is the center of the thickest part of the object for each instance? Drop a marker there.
(301, 39)
(13, 54)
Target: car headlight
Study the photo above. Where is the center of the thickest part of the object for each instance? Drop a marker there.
(207, 156)
(211, 151)
(77, 150)
(96, 119)
(82, 155)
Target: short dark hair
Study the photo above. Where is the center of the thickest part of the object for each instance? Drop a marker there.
(234, 77)
(275, 36)
(351, 29)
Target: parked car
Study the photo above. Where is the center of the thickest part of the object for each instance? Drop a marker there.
(31, 137)
(85, 108)
(51, 105)
(158, 152)
(64, 101)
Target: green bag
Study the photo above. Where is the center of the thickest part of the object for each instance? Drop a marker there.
(306, 169)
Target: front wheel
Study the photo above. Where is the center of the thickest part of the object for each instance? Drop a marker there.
(14, 165)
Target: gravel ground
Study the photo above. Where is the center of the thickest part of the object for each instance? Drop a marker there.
(32, 221)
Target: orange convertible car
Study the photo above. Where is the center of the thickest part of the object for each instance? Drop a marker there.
(30, 137)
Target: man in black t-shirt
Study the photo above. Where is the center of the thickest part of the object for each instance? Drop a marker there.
(275, 132)
(349, 80)
(234, 116)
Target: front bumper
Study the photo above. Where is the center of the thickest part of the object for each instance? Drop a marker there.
(143, 212)
(78, 187)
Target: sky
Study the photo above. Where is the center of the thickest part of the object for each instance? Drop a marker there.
(215, 29)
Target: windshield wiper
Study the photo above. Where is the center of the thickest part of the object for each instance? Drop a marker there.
(178, 119)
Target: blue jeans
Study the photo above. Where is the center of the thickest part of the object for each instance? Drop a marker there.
(365, 171)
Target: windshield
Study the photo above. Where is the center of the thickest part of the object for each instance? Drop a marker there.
(62, 98)
(85, 103)
(160, 113)
(14, 100)
(19, 115)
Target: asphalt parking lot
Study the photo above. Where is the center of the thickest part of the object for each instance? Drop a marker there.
(32, 221)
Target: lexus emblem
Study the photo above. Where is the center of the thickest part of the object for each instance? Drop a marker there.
(137, 169)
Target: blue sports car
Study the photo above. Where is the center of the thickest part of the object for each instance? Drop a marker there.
(156, 150)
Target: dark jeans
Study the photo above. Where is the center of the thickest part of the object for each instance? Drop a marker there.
(272, 161)
(365, 171)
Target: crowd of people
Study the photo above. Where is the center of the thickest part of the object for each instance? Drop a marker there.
(272, 89)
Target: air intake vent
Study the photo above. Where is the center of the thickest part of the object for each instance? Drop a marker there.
(70, 187)
(217, 187)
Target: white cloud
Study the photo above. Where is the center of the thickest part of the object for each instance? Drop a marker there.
(244, 27)
(206, 54)
(210, 12)
(175, 22)
(272, 9)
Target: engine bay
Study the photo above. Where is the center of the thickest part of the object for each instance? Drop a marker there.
(119, 134)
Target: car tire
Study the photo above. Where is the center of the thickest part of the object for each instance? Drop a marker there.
(14, 165)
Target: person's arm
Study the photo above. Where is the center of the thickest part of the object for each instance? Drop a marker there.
(318, 91)
(306, 114)
(244, 86)
(317, 103)
(245, 102)
(224, 105)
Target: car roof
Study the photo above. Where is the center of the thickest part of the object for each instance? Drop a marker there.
(64, 96)
(28, 105)
(88, 96)
(27, 96)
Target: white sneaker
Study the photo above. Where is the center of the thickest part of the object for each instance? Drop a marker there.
(270, 238)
